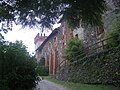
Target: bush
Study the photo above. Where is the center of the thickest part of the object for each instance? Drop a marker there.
(17, 67)
(114, 34)
(75, 50)
(114, 40)
(3, 85)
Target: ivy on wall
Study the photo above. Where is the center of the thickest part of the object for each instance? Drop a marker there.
(100, 68)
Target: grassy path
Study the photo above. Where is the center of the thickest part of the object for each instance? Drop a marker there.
(79, 86)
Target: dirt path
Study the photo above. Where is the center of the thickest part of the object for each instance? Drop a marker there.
(47, 85)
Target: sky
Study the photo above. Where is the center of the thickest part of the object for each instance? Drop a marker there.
(26, 35)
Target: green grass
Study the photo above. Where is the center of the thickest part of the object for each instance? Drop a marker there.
(79, 86)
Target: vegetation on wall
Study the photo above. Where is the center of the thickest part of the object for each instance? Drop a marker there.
(74, 50)
(100, 68)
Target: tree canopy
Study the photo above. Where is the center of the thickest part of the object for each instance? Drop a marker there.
(45, 13)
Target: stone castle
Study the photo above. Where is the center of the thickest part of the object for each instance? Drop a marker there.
(52, 47)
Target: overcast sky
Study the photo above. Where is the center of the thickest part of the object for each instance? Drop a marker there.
(26, 35)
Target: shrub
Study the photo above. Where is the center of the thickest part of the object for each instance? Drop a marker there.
(17, 67)
(114, 40)
(3, 85)
(114, 34)
(74, 50)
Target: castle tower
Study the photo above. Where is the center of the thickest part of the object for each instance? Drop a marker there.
(39, 39)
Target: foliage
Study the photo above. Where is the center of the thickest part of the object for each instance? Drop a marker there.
(45, 13)
(75, 50)
(17, 67)
(3, 85)
(100, 68)
(114, 34)
(41, 69)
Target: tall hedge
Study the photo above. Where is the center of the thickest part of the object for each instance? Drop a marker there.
(17, 67)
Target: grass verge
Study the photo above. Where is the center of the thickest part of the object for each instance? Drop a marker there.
(79, 86)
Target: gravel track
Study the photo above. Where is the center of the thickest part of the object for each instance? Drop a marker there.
(47, 85)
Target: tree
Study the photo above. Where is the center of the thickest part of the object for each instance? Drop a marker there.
(17, 67)
(75, 50)
(45, 13)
